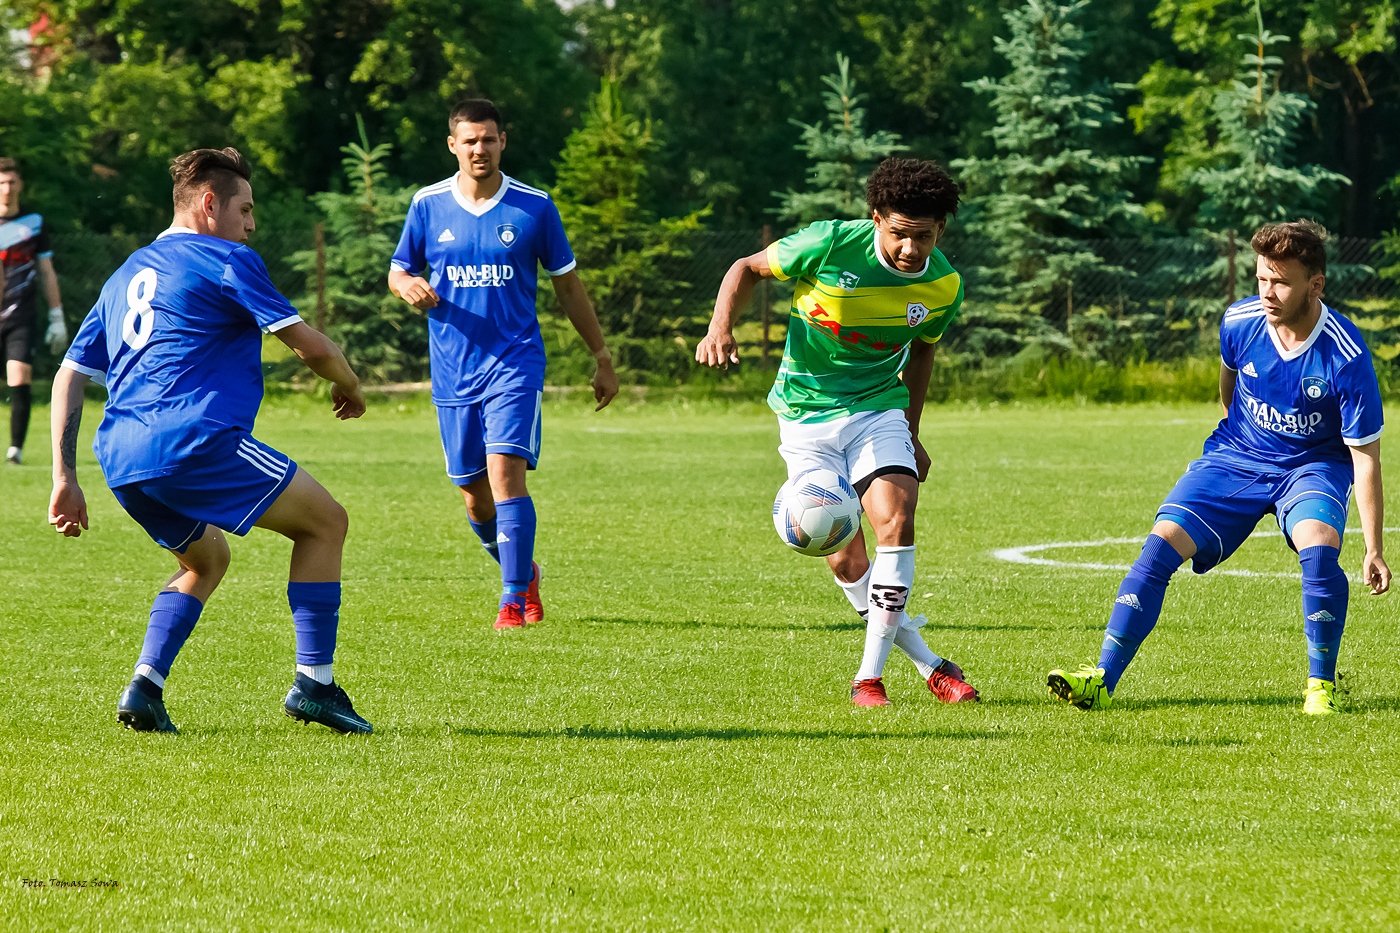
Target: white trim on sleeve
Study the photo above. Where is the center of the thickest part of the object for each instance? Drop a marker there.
(96, 376)
(1363, 441)
(1227, 365)
(285, 322)
(563, 270)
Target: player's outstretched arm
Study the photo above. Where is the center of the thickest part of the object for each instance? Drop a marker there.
(1370, 502)
(718, 348)
(67, 507)
(573, 298)
(56, 336)
(413, 289)
(323, 357)
(916, 375)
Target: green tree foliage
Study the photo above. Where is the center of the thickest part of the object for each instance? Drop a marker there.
(384, 338)
(841, 155)
(1345, 62)
(1259, 125)
(143, 81)
(631, 260)
(1048, 186)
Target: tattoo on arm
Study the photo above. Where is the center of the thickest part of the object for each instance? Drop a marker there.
(69, 444)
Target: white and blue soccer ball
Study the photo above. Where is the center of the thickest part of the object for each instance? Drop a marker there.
(817, 513)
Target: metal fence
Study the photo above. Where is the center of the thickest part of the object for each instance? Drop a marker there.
(1157, 298)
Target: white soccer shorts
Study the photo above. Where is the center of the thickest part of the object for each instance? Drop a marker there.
(855, 446)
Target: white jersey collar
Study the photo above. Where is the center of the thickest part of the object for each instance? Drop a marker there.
(477, 210)
(889, 267)
(169, 230)
(1306, 345)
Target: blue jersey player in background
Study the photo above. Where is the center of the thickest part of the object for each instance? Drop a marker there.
(469, 255)
(176, 338)
(1302, 426)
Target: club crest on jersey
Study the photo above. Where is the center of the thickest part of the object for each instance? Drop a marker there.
(848, 281)
(1314, 388)
(916, 312)
(508, 234)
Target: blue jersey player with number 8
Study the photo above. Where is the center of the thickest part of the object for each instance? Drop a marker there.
(176, 338)
(469, 256)
(1302, 427)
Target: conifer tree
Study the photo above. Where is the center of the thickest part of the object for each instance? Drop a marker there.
(384, 337)
(841, 155)
(631, 260)
(1259, 124)
(1048, 186)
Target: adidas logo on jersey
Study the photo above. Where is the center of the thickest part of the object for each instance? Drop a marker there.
(1322, 615)
(1249, 369)
(1130, 600)
(446, 237)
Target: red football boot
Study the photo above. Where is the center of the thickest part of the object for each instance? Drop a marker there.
(947, 684)
(510, 616)
(869, 693)
(534, 609)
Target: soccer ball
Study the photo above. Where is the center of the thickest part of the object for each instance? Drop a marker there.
(816, 513)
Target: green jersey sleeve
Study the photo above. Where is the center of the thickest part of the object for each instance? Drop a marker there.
(934, 330)
(803, 252)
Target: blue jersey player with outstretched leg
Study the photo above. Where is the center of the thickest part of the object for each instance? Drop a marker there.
(1302, 428)
(176, 337)
(469, 256)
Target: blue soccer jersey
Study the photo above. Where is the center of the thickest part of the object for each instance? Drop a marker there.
(1299, 406)
(176, 336)
(483, 336)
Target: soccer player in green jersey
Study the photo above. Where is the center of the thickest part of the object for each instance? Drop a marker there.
(872, 297)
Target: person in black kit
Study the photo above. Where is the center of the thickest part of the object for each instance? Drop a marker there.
(26, 264)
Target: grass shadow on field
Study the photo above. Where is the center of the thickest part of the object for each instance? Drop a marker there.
(1188, 702)
(1372, 705)
(1134, 705)
(731, 734)
(697, 623)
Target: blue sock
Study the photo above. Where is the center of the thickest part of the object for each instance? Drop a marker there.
(1324, 608)
(1137, 607)
(316, 616)
(173, 616)
(486, 531)
(516, 520)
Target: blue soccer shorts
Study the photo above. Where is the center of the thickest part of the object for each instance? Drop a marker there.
(230, 488)
(1219, 504)
(506, 422)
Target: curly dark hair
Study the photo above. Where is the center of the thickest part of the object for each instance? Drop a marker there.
(1302, 240)
(912, 187)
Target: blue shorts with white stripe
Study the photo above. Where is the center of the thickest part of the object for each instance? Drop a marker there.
(1219, 503)
(229, 487)
(504, 422)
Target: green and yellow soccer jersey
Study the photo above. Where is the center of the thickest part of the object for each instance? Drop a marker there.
(853, 319)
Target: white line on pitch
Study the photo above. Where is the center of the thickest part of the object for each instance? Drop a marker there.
(1022, 555)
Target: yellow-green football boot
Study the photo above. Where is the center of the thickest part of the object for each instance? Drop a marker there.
(1320, 699)
(1083, 688)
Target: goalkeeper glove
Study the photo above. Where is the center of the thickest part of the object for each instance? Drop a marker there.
(57, 335)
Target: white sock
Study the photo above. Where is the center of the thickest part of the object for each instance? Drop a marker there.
(907, 639)
(891, 576)
(321, 673)
(858, 592)
(151, 674)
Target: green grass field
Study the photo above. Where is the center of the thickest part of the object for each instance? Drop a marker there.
(674, 748)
